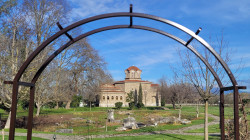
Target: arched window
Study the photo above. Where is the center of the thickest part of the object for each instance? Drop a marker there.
(112, 97)
(120, 97)
(107, 97)
(116, 97)
(103, 97)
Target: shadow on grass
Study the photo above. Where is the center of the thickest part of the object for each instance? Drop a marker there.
(168, 135)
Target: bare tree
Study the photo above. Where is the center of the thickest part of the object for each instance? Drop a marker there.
(200, 76)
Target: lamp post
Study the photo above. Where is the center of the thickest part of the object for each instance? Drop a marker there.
(54, 137)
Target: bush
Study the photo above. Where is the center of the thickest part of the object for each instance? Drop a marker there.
(163, 103)
(50, 105)
(131, 105)
(76, 101)
(140, 105)
(118, 105)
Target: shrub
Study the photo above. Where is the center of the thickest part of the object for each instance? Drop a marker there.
(140, 105)
(118, 105)
(163, 103)
(76, 101)
(131, 105)
(50, 105)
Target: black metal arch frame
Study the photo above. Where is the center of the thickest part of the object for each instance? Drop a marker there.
(16, 82)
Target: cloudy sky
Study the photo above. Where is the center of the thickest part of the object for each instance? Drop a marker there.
(154, 53)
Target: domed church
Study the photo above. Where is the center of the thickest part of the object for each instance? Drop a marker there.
(117, 92)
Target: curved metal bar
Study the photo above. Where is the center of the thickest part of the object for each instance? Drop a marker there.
(124, 14)
(45, 64)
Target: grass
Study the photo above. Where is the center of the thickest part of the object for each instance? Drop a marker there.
(211, 129)
(160, 137)
(21, 138)
(98, 114)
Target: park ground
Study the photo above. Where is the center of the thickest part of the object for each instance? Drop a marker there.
(51, 120)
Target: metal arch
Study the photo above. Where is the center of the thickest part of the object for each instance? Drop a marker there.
(47, 62)
(122, 14)
(35, 78)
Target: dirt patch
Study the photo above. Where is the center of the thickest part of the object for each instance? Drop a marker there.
(49, 123)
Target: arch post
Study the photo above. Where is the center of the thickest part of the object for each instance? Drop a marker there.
(31, 109)
(222, 119)
(13, 110)
(236, 113)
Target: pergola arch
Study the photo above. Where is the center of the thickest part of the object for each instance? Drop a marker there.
(193, 35)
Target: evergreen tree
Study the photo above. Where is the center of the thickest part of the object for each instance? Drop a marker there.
(135, 97)
(140, 94)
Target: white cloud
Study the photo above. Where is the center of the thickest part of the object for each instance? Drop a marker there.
(86, 8)
(229, 10)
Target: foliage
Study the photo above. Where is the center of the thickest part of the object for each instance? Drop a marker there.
(76, 101)
(131, 105)
(135, 97)
(139, 105)
(50, 105)
(24, 104)
(140, 95)
(163, 103)
(118, 105)
(130, 97)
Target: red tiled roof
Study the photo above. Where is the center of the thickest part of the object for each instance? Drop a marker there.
(113, 91)
(154, 85)
(133, 68)
(130, 81)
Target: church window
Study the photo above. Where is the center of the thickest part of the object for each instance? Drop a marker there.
(112, 97)
(103, 97)
(107, 97)
(116, 97)
(121, 98)
(132, 74)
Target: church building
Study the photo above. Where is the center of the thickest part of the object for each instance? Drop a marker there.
(117, 92)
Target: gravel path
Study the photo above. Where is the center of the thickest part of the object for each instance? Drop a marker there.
(179, 131)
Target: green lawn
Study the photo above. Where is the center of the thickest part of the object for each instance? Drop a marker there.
(211, 129)
(160, 137)
(98, 114)
(21, 138)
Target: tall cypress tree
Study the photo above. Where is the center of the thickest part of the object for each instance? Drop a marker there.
(135, 97)
(140, 94)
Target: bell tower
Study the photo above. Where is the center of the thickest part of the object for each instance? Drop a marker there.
(133, 73)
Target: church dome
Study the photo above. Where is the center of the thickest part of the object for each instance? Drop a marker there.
(133, 68)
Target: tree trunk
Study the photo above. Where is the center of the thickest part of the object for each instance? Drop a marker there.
(57, 106)
(68, 105)
(173, 105)
(206, 120)
(38, 110)
(7, 125)
(197, 111)
(90, 105)
(180, 114)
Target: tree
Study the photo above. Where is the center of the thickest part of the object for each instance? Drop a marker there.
(140, 104)
(163, 91)
(200, 76)
(130, 96)
(135, 97)
(15, 45)
(43, 16)
(140, 94)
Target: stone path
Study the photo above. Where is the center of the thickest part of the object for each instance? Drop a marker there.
(179, 131)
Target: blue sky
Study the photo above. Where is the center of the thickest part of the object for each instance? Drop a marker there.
(154, 53)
